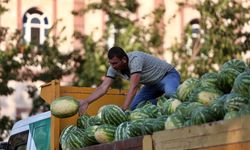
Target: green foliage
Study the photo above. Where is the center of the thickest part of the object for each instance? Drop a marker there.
(5, 125)
(221, 39)
(128, 33)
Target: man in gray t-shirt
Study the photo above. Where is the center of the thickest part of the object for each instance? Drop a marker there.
(157, 76)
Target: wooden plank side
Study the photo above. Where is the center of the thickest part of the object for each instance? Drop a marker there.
(234, 146)
(217, 133)
(112, 97)
(55, 122)
(147, 143)
(134, 143)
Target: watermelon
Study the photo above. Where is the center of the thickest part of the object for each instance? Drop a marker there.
(183, 110)
(242, 84)
(152, 110)
(160, 101)
(72, 137)
(143, 103)
(209, 79)
(205, 95)
(148, 111)
(76, 139)
(105, 133)
(64, 136)
(217, 107)
(112, 114)
(234, 102)
(64, 107)
(186, 88)
(237, 64)
(82, 121)
(231, 115)
(245, 110)
(140, 127)
(174, 121)
(226, 79)
(139, 113)
(191, 107)
(169, 106)
(90, 135)
(158, 123)
(188, 123)
(94, 120)
(202, 115)
(121, 132)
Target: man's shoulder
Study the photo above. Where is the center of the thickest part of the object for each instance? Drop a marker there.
(135, 53)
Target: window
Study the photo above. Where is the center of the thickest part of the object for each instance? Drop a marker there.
(195, 25)
(35, 26)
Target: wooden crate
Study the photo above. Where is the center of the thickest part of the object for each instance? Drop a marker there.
(135, 143)
(222, 135)
(53, 90)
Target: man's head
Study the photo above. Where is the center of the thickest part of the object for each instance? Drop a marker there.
(118, 59)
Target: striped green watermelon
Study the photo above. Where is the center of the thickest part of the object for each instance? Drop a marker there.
(174, 121)
(186, 88)
(152, 110)
(202, 115)
(143, 103)
(245, 110)
(94, 120)
(231, 115)
(188, 123)
(76, 139)
(159, 123)
(148, 111)
(160, 101)
(140, 127)
(242, 84)
(205, 95)
(237, 64)
(234, 102)
(112, 114)
(105, 133)
(82, 121)
(183, 110)
(72, 138)
(64, 107)
(90, 135)
(121, 132)
(170, 106)
(209, 79)
(217, 107)
(139, 113)
(226, 79)
(64, 136)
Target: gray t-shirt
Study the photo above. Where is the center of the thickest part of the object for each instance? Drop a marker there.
(152, 69)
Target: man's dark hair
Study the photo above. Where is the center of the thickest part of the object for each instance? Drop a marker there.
(116, 52)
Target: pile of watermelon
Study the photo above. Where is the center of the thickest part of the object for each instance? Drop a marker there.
(214, 96)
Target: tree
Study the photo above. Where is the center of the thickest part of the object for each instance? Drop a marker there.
(223, 37)
(129, 34)
(19, 62)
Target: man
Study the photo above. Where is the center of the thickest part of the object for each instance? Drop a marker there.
(157, 76)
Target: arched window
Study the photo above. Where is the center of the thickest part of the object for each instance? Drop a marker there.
(196, 30)
(35, 26)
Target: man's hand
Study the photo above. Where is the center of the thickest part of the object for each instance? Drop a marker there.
(124, 107)
(83, 106)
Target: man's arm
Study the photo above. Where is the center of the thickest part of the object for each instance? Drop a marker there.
(99, 92)
(134, 84)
